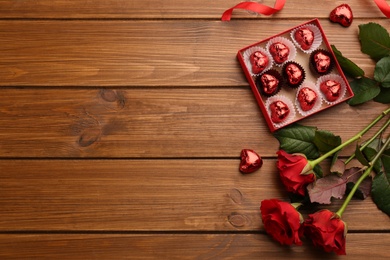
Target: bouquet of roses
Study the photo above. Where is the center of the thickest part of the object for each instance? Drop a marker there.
(302, 149)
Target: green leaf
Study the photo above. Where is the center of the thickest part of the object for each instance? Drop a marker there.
(364, 89)
(371, 151)
(381, 186)
(348, 66)
(382, 72)
(298, 139)
(375, 40)
(383, 96)
(326, 141)
(361, 157)
(318, 171)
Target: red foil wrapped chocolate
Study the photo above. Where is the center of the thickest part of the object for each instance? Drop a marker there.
(250, 161)
(279, 111)
(307, 98)
(294, 74)
(304, 37)
(279, 52)
(331, 90)
(342, 14)
(259, 61)
(269, 83)
(322, 61)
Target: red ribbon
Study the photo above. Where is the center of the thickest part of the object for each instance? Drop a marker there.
(279, 4)
(254, 7)
(384, 7)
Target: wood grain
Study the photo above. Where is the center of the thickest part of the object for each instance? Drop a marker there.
(151, 53)
(185, 9)
(179, 246)
(121, 124)
(148, 195)
(150, 123)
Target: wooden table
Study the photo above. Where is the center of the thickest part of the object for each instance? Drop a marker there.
(121, 125)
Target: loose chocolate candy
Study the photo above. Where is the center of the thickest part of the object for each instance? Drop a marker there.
(279, 111)
(294, 74)
(304, 37)
(322, 62)
(307, 98)
(250, 161)
(331, 89)
(279, 52)
(259, 61)
(342, 14)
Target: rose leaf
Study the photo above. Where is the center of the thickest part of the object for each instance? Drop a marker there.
(318, 171)
(351, 176)
(298, 139)
(325, 188)
(364, 89)
(348, 66)
(375, 40)
(360, 156)
(326, 141)
(337, 166)
(382, 72)
(384, 96)
(381, 186)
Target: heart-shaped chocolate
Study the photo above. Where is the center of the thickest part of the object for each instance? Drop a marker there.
(322, 61)
(304, 37)
(294, 74)
(331, 89)
(259, 61)
(279, 52)
(307, 98)
(269, 83)
(342, 14)
(279, 111)
(250, 161)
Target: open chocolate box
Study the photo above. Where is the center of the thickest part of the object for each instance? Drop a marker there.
(294, 74)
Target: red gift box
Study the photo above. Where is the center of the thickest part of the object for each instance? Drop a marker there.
(312, 80)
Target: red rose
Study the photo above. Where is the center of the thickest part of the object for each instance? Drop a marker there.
(326, 230)
(281, 221)
(295, 171)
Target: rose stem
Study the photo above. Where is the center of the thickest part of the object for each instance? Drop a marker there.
(353, 139)
(369, 141)
(365, 174)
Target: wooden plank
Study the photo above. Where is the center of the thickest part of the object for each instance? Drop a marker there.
(179, 246)
(150, 123)
(147, 195)
(113, 53)
(171, 9)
